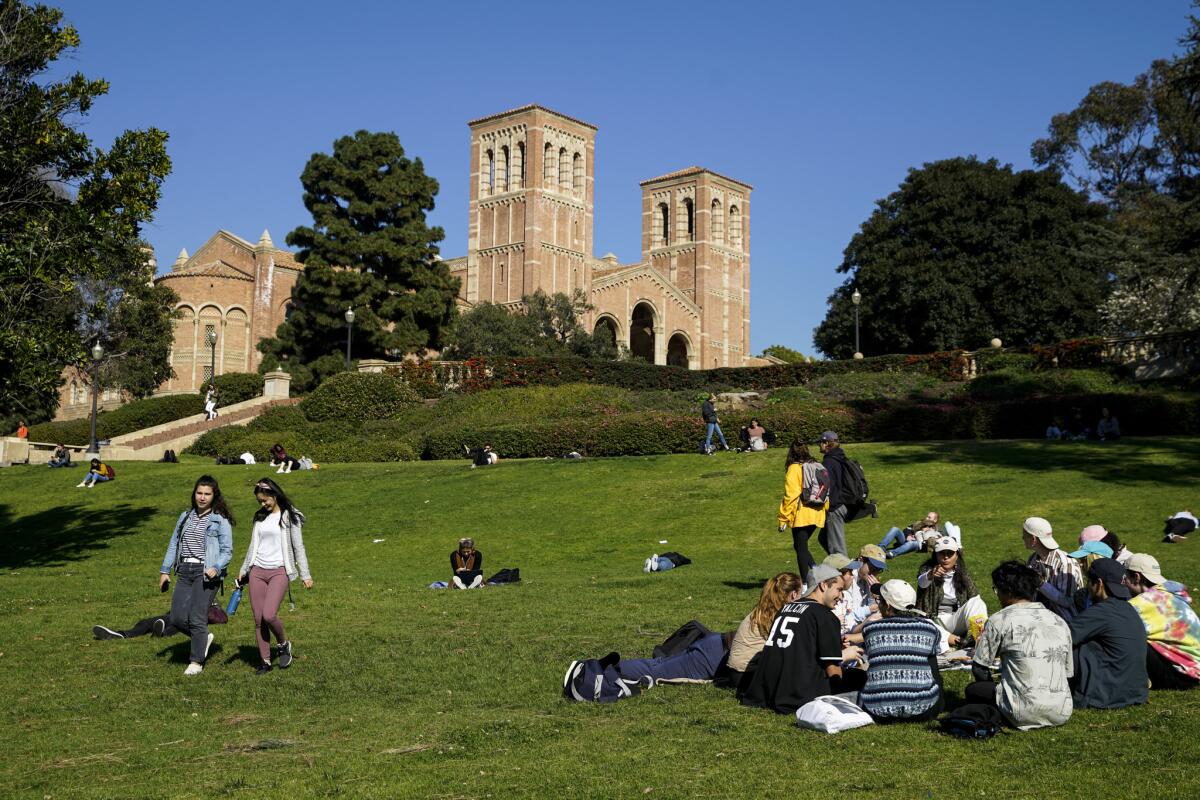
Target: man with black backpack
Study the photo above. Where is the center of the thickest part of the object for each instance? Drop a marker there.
(847, 493)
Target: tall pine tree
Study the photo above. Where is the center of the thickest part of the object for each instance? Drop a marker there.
(370, 249)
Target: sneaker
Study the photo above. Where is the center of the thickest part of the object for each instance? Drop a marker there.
(91, 486)
(279, 471)
(262, 669)
(81, 484)
(467, 450)
(208, 646)
(646, 567)
(101, 632)
(285, 654)
(654, 563)
(194, 669)
(159, 626)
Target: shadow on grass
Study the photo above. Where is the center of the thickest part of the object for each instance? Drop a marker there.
(65, 533)
(246, 653)
(1129, 461)
(747, 585)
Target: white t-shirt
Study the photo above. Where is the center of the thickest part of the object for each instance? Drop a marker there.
(270, 542)
(247, 457)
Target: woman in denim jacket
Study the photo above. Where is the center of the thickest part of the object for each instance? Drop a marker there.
(275, 558)
(200, 549)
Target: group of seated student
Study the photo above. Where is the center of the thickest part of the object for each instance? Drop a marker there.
(1106, 429)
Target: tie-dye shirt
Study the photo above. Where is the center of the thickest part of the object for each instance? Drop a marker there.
(1172, 628)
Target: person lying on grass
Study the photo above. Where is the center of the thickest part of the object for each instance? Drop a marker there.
(715, 656)
(947, 595)
(897, 542)
(802, 656)
(1033, 645)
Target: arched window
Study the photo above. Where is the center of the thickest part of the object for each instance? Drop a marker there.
(503, 172)
(518, 168)
(718, 222)
(662, 217)
(489, 173)
(549, 167)
(564, 170)
(687, 221)
(577, 173)
(735, 226)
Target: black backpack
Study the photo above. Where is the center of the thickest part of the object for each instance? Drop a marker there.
(973, 721)
(856, 482)
(688, 634)
(506, 575)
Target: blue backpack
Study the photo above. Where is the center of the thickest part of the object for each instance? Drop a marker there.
(598, 681)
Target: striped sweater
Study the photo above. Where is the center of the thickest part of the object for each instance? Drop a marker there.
(902, 676)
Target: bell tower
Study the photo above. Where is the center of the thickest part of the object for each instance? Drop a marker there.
(532, 205)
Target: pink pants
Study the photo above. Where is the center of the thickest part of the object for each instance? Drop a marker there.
(267, 588)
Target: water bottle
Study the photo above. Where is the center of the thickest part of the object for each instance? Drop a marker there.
(235, 597)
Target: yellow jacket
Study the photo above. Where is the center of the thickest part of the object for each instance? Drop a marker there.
(792, 512)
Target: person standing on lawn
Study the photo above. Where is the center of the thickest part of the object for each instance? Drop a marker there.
(1109, 643)
(712, 423)
(1033, 645)
(1060, 574)
(198, 552)
(803, 518)
(841, 497)
(275, 557)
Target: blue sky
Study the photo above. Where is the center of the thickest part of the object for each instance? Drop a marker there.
(821, 106)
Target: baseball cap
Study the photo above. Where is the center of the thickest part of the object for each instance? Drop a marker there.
(898, 594)
(872, 554)
(1113, 576)
(818, 575)
(946, 543)
(1093, 549)
(837, 561)
(1040, 529)
(1147, 565)
(1092, 533)
(829, 436)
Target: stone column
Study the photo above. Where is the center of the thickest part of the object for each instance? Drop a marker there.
(277, 385)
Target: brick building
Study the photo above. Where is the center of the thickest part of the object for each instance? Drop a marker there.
(531, 217)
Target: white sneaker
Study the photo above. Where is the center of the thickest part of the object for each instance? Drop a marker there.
(91, 486)
(81, 484)
(193, 669)
(654, 563)
(646, 566)
(279, 471)
(208, 645)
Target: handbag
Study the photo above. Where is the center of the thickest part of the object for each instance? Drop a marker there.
(831, 714)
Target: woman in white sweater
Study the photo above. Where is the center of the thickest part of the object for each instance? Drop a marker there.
(275, 558)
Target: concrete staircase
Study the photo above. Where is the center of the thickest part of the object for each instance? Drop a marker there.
(148, 444)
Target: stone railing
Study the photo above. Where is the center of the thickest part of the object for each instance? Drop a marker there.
(450, 374)
(1163, 355)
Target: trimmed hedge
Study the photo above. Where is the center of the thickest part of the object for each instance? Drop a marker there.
(358, 396)
(236, 387)
(126, 419)
(1012, 384)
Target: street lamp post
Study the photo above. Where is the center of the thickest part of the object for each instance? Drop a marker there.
(856, 298)
(349, 327)
(97, 351)
(211, 338)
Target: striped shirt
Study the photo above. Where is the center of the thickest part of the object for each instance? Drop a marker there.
(191, 539)
(902, 679)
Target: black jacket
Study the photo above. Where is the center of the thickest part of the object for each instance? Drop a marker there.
(839, 492)
(708, 412)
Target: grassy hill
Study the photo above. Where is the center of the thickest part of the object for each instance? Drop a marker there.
(400, 691)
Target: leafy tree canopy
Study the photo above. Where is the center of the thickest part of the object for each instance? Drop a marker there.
(966, 250)
(548, 325)
(70, 220)
(370, 249)
(785, 354)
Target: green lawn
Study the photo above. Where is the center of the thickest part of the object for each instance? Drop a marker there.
(399, 691)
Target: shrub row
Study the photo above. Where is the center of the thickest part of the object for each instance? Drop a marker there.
(329, 443)
(236, 387)
(126, 419)
(358, 396)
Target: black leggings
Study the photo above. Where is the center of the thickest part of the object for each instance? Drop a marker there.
(145, 626)
(1163, 675)
(804, 559)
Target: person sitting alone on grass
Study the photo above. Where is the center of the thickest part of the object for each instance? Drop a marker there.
(947, 595)
(897, 542)
(281, 459)
(709, 656)
(1109, 643)
(1108, 429)
(1059, 572)
(903, 682)
(1179, 525)
(1033, 645)
(1172, 627)
(753, 437)
(61, 457)
(802, 656)
(466, 565)
(98, 472)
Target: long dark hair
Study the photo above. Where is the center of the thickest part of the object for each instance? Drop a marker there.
(964, 587)
(797, 454)
(268, 486)
(218, 501)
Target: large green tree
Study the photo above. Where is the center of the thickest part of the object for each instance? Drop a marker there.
(70, 214)
(547, 326)
(369, 248)
(966, 250)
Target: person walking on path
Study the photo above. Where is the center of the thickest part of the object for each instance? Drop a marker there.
(802, 517)
(275, 557)
(199, 551)
(210, 402)
(712, 423)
